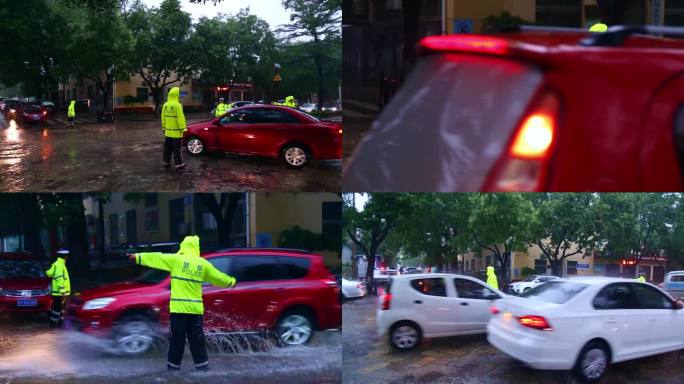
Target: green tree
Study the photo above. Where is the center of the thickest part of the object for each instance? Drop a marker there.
(160, 44)
(494, 23)
(563, 225)
(319, 22)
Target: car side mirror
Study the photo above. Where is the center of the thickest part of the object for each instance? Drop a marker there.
(677, 305)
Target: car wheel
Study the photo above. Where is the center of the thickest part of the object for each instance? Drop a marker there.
(405, 336)
(135, 336)
(295, 155)
(592, 362)
(526, 290)
(195, 146)
(294, 328)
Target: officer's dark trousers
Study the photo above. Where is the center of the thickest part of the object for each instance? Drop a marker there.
(172, 145)
(187, 326)
(56, 316)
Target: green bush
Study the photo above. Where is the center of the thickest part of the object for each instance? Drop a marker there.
(526, 271)
(296, 237)
(128, 99)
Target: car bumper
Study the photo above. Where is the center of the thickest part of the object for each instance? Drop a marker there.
(538, 352)
(92, 322)
(10, 304)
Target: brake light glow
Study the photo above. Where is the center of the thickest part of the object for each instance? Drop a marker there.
(524, 165)
(494, 310)
(339, 131)
(466, 43)
(386, 301)
(536, 322)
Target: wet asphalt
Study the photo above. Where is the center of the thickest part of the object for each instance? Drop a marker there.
(31, 353)
(368, 358)
(126, 157)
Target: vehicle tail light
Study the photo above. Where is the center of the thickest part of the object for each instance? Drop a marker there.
(386, 301)
(44, 113)
(359, 286)
(494, 310)
(536, 322)
(524, 165)
(339, 131)
(466, 43)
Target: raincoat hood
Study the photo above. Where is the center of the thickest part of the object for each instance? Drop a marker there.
(289, 98)
(72, 103)
(490, 270)
(190, 245)
(174, 94)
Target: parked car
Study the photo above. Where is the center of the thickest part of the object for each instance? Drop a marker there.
(418, 306)
(674, 284)
(308, 107)
(12, 109)
(33, 113)
(23, 284)
(510, 112)
(530, 282)
(332, 107)
(586, 324)
(285, 292)
(50, 107)
(353, 289)
(239, 104)
(270, 131)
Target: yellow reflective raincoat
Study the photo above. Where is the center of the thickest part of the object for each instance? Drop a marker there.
(290, 102)
(491, 277)
(598, 27)
(172, 117)
(61, 285)
(221, 108)
(188, 272)
(72, 109)
(642, 279)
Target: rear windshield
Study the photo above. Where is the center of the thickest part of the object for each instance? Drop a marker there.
(677, 278)
(20, 269)
(557, 292)
(446, 127)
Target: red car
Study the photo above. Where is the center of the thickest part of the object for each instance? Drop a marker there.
(32, 113)
(287, 292)
(270, 131)
(23, 284)
(533, 110)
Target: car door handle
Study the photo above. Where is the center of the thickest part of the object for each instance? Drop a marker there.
(417, 302)
(464, 303)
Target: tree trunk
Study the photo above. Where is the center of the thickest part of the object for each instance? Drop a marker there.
(77, 233)
(101, 229)
(223, 212)
(555, 267)
(157, 98)
(370, 270)
(31, 224)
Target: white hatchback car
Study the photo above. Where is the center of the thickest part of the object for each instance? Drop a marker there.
(587, 323)
(530, 282)
(353, 289)
(426, 305)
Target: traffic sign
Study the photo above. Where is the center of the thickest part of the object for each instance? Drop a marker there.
(463, 26)
(277, 78)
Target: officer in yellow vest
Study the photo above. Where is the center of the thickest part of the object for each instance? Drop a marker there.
(221, 108)
(290, 102)
(173, 124)
(491, 278)
(641, 278)
(598, 27)
(188, 272)
(71, 114)
(59, 289)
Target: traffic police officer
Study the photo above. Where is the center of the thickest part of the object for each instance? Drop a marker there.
(642, 278)
(221, 108)
(59, 289)
(598, 27)
(188, 272)
(491, 277)
(71, 114)
(173, 124)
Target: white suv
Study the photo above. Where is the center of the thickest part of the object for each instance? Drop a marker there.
(586, 324)
(530, 282)
(427, 305)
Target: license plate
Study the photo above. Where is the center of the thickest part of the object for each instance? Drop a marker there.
(36, 117)
(27, 303)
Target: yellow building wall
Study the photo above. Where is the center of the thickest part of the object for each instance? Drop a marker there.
(271, 213)
(478, 10)
(129, 88)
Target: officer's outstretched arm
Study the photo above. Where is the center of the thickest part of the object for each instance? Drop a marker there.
(50, 272)
(218, 278)
(163, 261)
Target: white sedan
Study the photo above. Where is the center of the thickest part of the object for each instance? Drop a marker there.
(530, 282)
(427, 305)
(353, 289)
(586, 324)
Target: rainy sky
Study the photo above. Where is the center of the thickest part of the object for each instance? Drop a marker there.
(270, 10)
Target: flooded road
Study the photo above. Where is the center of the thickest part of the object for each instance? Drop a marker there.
(368, 358)
(32, 353)
(126, 156)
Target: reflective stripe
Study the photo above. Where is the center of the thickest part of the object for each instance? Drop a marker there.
(172, 364)
(189, 300)
(201, 364)
(186, 279)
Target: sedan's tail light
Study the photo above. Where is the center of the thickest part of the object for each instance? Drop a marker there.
(524, 165)
(494, 310)
(536, 322)
(386, 301)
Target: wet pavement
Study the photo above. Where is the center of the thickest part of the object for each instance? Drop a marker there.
(32, 353)
(368, 358)
(126, 157)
